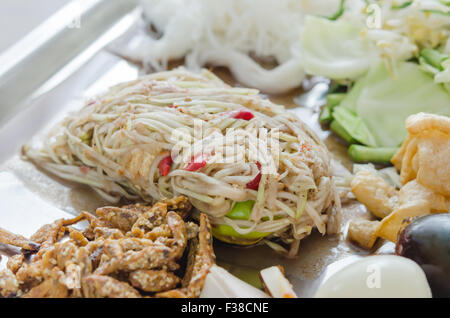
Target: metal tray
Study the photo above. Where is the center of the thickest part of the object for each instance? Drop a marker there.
(69, 58)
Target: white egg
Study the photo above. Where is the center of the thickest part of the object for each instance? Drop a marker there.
(377, 276)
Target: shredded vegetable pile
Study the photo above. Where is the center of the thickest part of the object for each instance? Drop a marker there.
(122, 145)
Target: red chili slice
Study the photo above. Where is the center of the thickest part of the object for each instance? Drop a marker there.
(243, 114)
(197, 163)
(84, 169)
(164, 165)
(254, 184)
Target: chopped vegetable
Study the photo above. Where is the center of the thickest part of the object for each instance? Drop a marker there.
(360, 153)
(354, 126)
(338, 13)
(301, 204)
(276, 284)
(164, 165)
(219, 283)
(335, 49)
(341, 132)
(197, 163)
(241, 210)
(402, 5)
(243, 114)
(434, 58)
(438, 64)
(332, 101)
(228, 234)
(374, 110)
(254, 184)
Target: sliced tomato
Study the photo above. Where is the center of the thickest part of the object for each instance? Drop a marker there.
(254, 184)
(164, 165)
(197, 163)
(243, 114)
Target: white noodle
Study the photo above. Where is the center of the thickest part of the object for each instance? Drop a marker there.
(116, 144)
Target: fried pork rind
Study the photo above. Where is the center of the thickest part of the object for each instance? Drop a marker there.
(414, 200)
(132, 251)
(376, 194)
(363, 232)
(424, 173)
(425, 152)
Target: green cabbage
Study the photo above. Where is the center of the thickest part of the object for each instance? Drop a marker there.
(375, 109)
(335, 49)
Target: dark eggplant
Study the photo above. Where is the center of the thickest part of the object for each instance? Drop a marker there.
(426, 241)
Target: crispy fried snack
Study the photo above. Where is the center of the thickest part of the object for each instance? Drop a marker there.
(424, 172)
(132, 251)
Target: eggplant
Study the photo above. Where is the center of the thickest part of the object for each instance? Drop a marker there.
(426, 241)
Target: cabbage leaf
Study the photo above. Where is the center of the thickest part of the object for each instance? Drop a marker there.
(381, 101)
(335, 49)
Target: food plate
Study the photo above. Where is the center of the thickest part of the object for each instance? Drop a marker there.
(59, 86)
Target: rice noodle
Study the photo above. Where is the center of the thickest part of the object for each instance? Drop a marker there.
(238, 34)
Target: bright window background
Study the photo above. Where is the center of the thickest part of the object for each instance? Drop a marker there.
(19, 17)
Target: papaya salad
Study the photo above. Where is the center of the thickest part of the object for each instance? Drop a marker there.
(257, 171)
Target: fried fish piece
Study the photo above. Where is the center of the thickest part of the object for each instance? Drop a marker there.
(180, 205)
(198, 268)
(49, 288)
(152, 218)
(7, 237)
(98, 286)
(15, 262)
(154, 280)
(9, 285)
(51, 233)
(204, 258)
(116, 258)
(105, 260)
(121, 218)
